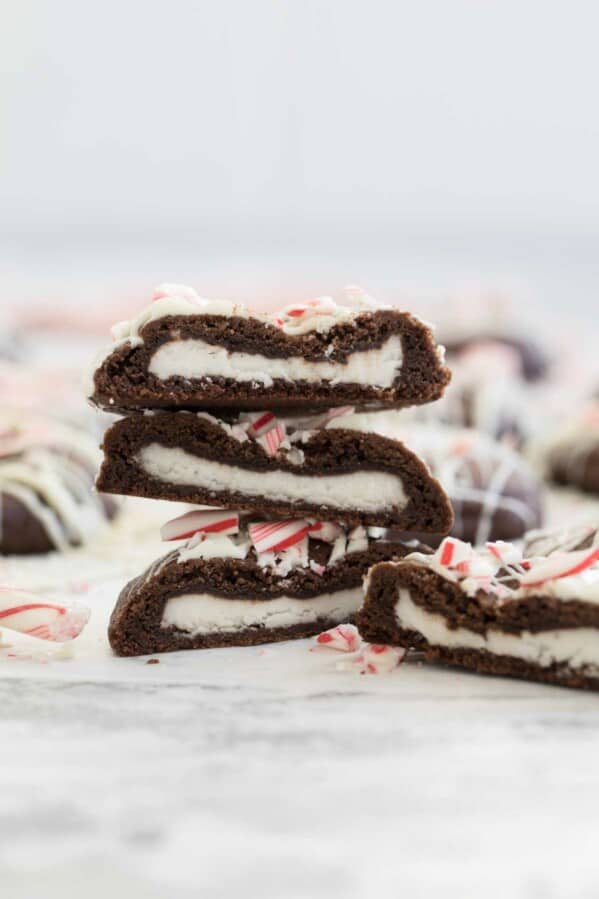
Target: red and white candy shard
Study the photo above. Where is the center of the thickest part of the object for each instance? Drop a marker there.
(506, 553)
(376, 658)
(476, 567)
(320, 421)
(266, 429)
(316, 306)
(260, 423)
(452, 552)
(344, 638)
(25, 613)
(175, 290)
(194, 522)
(274, 536)
(339, 549)
(559, 565)
(327, 531)
(357, 540)
(272, 440)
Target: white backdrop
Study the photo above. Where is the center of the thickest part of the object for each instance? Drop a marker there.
(459, 138)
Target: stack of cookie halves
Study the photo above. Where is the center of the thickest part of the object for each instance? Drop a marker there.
(252, 415)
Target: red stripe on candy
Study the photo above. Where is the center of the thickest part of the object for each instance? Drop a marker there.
(6, 613)
(447, 551)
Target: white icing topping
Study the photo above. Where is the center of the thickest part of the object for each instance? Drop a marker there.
(368, 491)
(578, 647)
(196, 359)
(203, 613)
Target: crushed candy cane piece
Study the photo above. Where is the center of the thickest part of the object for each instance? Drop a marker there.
(375, 658)
(476, 567)
(24, 612)
(198, 522)
(559, 565)
(327, 531)
(272, 439)
(339, 549)
(260, 423)
(174, 290)
(274, 536)
(357, 540)
(344, 638)
(453, 551)
(506, 553)
(314, 422)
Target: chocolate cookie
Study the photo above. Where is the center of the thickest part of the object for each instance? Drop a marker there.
(239, 583)
(492, 611)
(184, 352)
(260, 463)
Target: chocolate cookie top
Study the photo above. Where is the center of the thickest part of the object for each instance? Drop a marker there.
(186, 352)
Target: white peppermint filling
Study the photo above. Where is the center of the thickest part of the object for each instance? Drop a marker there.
(202, 613)
(578, 647)
(368, 491)
(197, 359)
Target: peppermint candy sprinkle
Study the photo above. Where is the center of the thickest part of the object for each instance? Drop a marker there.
(344, 638)
(261, 422)
(375, 658)
(185, 526)
(25, 613)
(452, 552)
(272, 440)
(266, 429)
(327, 531)
(174, 290)
(558, 566)
(275, 536)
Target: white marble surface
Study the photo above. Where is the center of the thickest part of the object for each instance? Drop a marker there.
(267, 772)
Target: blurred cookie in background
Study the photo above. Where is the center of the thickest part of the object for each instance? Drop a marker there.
(47, 470)
(565, 539)
(532, 361)
(486, 393)
(475, 320)
(494, 492)
(569, 455)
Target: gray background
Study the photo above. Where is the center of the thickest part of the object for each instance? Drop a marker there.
(245, 145)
